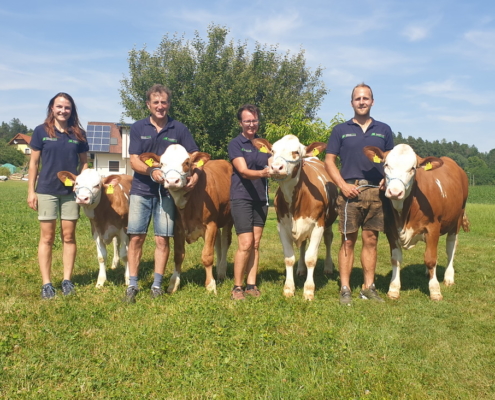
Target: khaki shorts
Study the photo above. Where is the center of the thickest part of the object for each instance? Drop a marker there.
(365, 211)
(50, 207)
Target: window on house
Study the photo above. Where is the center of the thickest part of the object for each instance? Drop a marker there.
(27, 151)
(113, 166)
(113, 141)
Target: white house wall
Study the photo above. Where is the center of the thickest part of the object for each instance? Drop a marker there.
(101, 161)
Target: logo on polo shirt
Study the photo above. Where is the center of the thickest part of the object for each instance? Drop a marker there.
(246, 150)
(170, 139)
(49, 139)
(378, 135)
(348, 135)
(73, 141)
(145, 137)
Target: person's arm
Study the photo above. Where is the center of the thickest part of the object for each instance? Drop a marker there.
(348, 190)
(141, 168)
(252, 174)
(34, 162)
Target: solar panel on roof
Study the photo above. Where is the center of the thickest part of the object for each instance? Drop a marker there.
(98, 138)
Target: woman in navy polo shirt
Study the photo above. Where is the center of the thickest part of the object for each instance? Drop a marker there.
(60, 143)
(248, 200)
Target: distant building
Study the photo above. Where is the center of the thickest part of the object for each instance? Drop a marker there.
(21, 141)
(109, 147)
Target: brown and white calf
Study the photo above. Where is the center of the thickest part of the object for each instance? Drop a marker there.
(305, 204)
(106, 203)
(202, 212)
(428, 197)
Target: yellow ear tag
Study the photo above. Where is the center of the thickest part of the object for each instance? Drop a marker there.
(428, 166)
(315, 152)
(110, 189)
(200, 163)
(67, 182)
(377, 159)
(149, 162)
(263, 149)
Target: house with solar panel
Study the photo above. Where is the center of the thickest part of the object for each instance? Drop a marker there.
(109, 147)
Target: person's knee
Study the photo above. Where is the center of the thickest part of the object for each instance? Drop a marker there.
(162, 243)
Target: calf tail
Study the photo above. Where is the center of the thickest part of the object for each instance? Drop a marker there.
(465, 222)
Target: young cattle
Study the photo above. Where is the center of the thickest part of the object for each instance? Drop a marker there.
(305, 203)
(202, 212)
(106, 204)
(428, 196)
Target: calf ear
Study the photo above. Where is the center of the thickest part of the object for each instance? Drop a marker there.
(150, 159)
(375, 154)
(111, 180)
(429, 163)
(262, 145)
(315, 148)
(198, 159)
(65, 176)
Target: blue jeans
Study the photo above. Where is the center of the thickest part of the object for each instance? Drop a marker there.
(142, 208)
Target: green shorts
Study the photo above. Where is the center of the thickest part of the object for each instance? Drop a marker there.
(50, 207)
(365, 211)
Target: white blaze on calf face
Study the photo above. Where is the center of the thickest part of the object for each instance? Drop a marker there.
(176, 167)
(287, 154)
(88, 188)
(400, 169)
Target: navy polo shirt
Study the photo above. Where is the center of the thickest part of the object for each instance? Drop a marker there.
(60, 153)
(348, 141)
(240, 187)
(145, 139)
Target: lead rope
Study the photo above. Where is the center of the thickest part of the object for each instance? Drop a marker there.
(345, 214)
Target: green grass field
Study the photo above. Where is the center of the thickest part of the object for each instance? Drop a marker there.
(195, 345)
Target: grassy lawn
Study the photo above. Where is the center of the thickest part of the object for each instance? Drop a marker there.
(195, 345)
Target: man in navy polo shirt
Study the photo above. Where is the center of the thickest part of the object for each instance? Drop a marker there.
(360, 202)
(148, 196)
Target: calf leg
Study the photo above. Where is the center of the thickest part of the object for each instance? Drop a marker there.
(284, 231)
(431, 264)
(396, 260)
(116, 255)
(102, 258)
(207, 257)
(301, 266)
(328, 239)
(451, 248)
(310, 259)
(179, 253)
(222, 244)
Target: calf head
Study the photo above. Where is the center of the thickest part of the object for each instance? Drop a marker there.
(288, 154)
(176, 164)
(399, 166)
(88, 186)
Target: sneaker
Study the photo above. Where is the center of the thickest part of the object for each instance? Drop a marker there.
(130, 294)
(254, 292)
(47, 291)
(68, 287)
(370, 294)
(155, 292)
(345, 296)
(237, 294)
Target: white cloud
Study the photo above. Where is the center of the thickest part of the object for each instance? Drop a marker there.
(419, 30)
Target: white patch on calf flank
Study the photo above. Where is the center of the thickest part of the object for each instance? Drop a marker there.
(439, 184)
(407, 238)
(302, 228)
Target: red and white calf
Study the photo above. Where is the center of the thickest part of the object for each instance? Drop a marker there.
(305, 203)
(106, 203)
(202, 212)
(428, 196)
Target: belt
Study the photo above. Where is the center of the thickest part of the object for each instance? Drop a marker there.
(361, 182)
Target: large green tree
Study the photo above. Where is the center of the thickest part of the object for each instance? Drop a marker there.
(9, 130)
(211, 78)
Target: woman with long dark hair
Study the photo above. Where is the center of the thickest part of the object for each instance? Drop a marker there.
(60, 144)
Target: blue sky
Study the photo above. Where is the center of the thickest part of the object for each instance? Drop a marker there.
(431, 64)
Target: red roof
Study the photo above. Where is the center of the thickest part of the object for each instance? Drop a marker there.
(21, 136)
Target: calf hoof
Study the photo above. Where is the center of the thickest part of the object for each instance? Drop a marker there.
(448, 282)
(393, 295)
(289, 291)
(212, 287)
(310, 296)
(436, 297)
(100, 284)
(173, 286)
